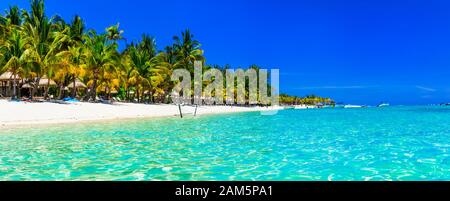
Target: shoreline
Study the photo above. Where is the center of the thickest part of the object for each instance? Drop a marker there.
(14, 114)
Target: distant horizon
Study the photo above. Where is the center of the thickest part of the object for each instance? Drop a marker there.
(353, 52)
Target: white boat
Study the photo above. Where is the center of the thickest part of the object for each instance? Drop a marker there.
(383, 105)
(353, 106)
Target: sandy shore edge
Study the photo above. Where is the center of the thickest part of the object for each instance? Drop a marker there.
(22, 113)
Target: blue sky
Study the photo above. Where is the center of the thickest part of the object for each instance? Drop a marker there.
(360, 52)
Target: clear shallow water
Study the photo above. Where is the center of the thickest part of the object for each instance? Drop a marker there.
(394, 143)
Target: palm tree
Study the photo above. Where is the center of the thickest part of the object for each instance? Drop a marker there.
(14, 16)
(137, 66)
(109, 80)
(74, 59)
(138, 59)
(101, 55)
(160, 74)
(187, 51)
(14, 53)
(45, 42)
(113, 33)
(12, 20)
(77, 28)
(128, 75)
(70, 53)
(9, 23)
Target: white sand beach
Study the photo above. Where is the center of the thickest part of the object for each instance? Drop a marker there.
(23, 113)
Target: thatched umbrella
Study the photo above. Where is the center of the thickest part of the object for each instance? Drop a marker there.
(78, 84)
(8, 76)
(7, 79)
(44, 82)
(27, 86)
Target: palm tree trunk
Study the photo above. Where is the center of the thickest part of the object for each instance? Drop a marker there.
(127, 94)
(137, 94)
(94, 86)
(47, 88)
(108, 93)
(14, 85)
(19, 93)
(74, 88)
(35, 87)
(61, 89)
(146, 97)
(143, 96)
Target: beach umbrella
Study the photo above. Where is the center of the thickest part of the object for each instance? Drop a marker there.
(7, 76)
(44, 81)
(27, 86)
(78, 84)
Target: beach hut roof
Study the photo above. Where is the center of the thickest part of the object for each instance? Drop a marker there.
(78, 84)
(8, 76)
(44, 81)
(27, 86)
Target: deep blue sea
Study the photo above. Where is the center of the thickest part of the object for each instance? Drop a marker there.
(391, 143)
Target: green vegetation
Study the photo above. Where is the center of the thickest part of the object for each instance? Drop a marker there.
(307, 100)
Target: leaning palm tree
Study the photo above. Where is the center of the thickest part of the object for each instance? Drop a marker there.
(14, 53)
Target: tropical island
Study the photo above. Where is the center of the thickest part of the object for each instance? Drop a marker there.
(46, 59)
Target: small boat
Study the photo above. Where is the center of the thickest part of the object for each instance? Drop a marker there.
(353, 106)
(383, 105)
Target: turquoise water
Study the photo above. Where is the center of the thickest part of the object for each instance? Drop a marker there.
(392, 143)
